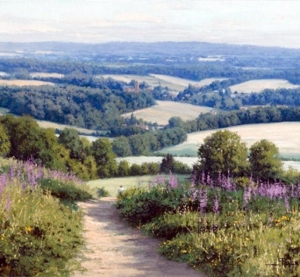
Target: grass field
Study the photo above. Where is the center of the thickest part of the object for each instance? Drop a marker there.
(284, 135)
(164, 110)
(260, 85)
(22, 83)
(112, 184)
(173, 83)
(46, 75)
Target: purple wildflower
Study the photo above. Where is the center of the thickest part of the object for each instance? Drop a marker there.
(173, 181)
(202, 199)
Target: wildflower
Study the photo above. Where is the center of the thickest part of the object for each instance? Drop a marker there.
(216, 205)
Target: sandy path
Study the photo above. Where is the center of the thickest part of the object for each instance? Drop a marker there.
(114, 249)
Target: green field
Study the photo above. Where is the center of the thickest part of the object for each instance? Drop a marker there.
(112, 184)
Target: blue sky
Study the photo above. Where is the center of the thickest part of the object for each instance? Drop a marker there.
(267, 23)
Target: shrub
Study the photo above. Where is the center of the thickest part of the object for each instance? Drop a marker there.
(224, 228)
(67, 191)
(140, 206)
(102, 192)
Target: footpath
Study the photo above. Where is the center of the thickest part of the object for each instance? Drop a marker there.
(114, 249)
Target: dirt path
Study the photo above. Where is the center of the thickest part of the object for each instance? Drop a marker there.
(114, 249)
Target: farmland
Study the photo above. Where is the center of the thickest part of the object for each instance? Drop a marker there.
(164, 110)
(46, 75)
(282, 134)
(173, 83)
(22, 83)
(260, 85)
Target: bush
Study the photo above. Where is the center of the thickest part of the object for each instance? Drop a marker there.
(140, 206)
(67, 191)
(102, 192)
(223, 228)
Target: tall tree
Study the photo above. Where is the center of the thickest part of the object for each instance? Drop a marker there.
(264, 160)
(4, 142)
(71, 140)
(167, 164)
(222, 152)
(105, 158)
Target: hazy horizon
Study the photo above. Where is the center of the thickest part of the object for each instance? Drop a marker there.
(261, 23)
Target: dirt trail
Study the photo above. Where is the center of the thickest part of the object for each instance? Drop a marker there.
(114, 249)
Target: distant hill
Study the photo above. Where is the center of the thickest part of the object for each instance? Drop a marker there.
(138, 51)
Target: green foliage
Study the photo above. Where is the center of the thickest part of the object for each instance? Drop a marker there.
(70, 139)
(5, 144)
(265, 160)
(234, 241)
(105, 158)
(39, 236)
(121, 146)
(167, 164)
(102, 192)
(140, 206)
(65, 191)
(222, 152)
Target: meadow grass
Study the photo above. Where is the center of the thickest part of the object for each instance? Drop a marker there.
(112, 184)
(39, 234)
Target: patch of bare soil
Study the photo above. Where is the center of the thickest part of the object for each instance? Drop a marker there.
(114, 249)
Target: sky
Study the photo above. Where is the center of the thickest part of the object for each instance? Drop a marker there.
(265, 23)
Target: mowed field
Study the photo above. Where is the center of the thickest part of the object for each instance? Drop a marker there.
(164, 110)
(260, 85)
(173, 83)
(284, 135)
(22, 83)
(46, 75)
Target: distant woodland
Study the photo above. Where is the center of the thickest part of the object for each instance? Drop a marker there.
(80, 98)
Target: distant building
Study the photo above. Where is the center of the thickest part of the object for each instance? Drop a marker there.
(135, 88)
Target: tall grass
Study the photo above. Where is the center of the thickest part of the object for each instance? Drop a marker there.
(39, 236)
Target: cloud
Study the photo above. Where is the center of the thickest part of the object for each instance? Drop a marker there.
(126, 17)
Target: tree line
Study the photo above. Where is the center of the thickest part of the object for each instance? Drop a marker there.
(224, 154)
(22, 139)
(78, 106)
